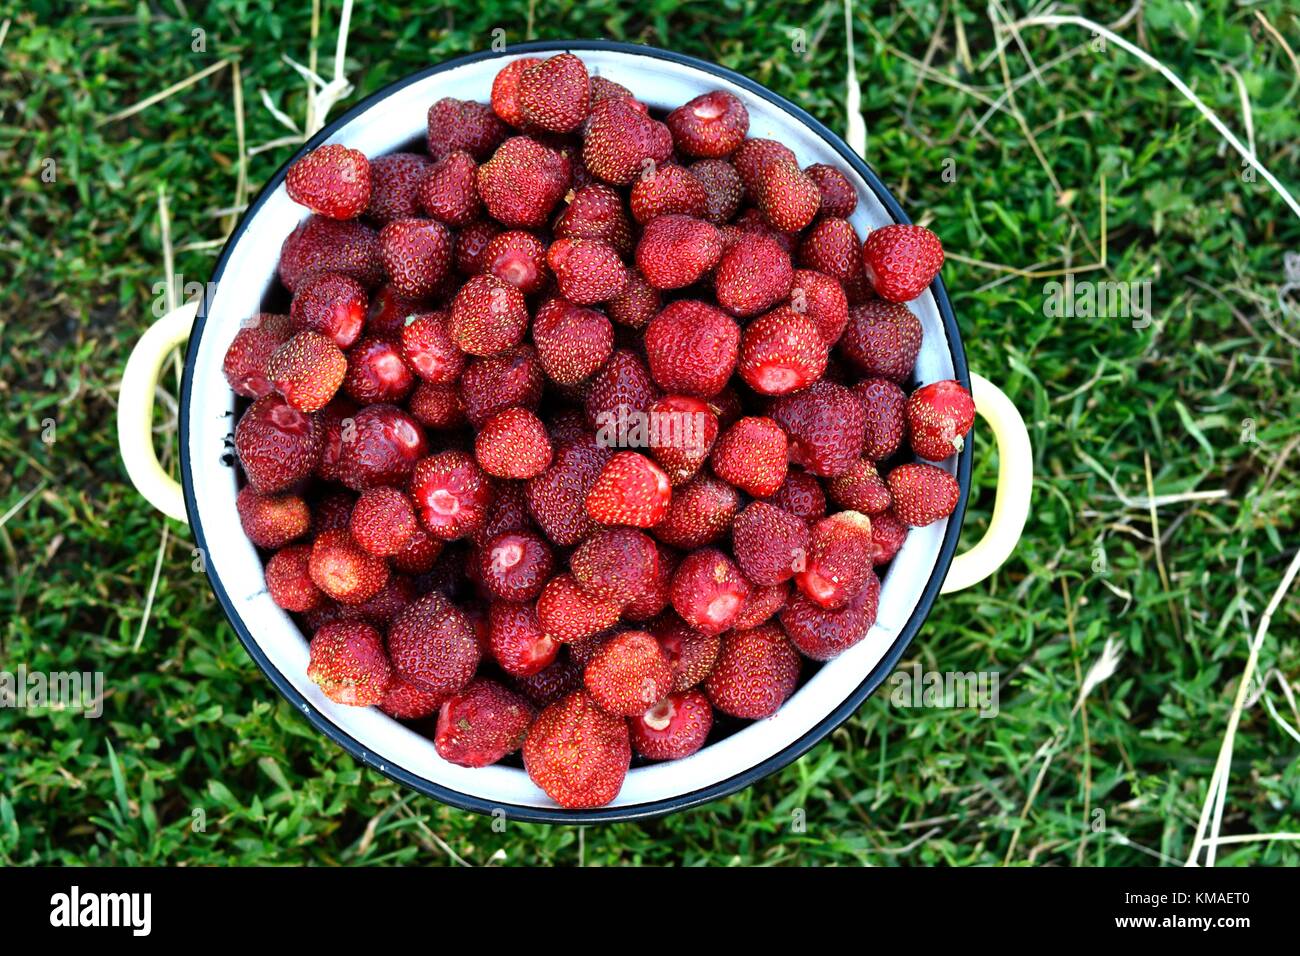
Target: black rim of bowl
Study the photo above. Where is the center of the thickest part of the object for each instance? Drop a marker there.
(715, 791)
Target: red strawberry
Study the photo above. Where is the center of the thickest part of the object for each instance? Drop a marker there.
(568, 613)
(420, 554)
(452, 494)
(631, 490)
(505, 89)
(621, 142)
(939, 416)
(712, 125)
(801, 495)
(577, 753)
(683, 430)
(428, 348)
(551, 683)
(380, 448)
(462, 124)
(616, 565)
(332, 305)
(887, 537)
(832, 247)
(519, 258)
(770, 544)
(923, 493)
(393, 598)
(708, 590)
(822, 299)
(883, 339)
(722, 189)
(416, 254)
(288, 579)
(621, 389)
(782, 352)
(885, 404)
(636, 304)
(763, 602)
(603, 88)
(653, 602)
(584, 649)
(522, 182)
(345, 571)
(376, 372)
(449, 191)
(675, 727)
(667, 189)
(407, 701)
(436, 406)
(471, 245)
(839, 198)
(557, 497)
(826, 424)
(389, 311)
(555, 94)
(839, 560)
(628, 673)
(331, 180)
(383, 521)
(332, 511)
(900, 261)
(572, 342)
(320, 244)
(497, 382)
(509, 512)
(513, 444)
(432, 645)
(277, 444)
(676, 251)
(788, 199)
(822, 634)
(247, 357)
(690, 652)
(587, 271)
(751, 455)
(348, 663)
(756, 671)
(752, 157)
(596, 212)
(394, 186)
(860, 489)
(517, 640)
(692, 347)
(701, 512)
(488, 316)
(481, 724)
(271, 521)
(753, 275)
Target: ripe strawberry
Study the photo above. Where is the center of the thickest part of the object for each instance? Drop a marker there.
(333, 419)
(508, 512)
(653, 601)
(555, 94)
(331, 304)
(348, 663)
(691, 653)
(675, 727)
(620, 390)
(603, 88)
(513, 444)
(393, 598)
(463, 124)
(449, 191)
(432, 645)
(801, 495)
(861, 489)
(631, 490)
(271, 521)
(383, 521)
(595, 211)
(887, 537)
(751, 455)
(788, 199)
(700, 513)
(752, 157)
(708, 590)
(394, 186)
(277, 445)
(489, 385)
(782, 352)
(753, 275)
(822, 299)
(553, 682)
(885, 404)
(389, 312)
(628, 673)
(636, 304)
(756, 671)
(557, 497)
(488, 316)
(711, 125)
(883, 339)
(416, 254)
(320, 244)
(923, 493)
(584, 649)
(692, 347)
(770, 544)
(826, 424)
(764, 601)
(568, 613)
(420, 554)
(939, 416)
(471, 245)
(380, 448)
(839, 560)
(587, 271)
(667, 189)
(376, 372)
(428, 348)
(722, 189)
(681, 442)
(436, 406)
(572, 342)
(621, 142)
(839, 198)
(519, 258)
(676, 251)
(452, 494)
(517, 640)
(344, 570)
(332, 181)
(247, 357)
(900, 261)
(822, 634)
(577, 753)
(522, 182)
(616, 565)
(832, 247)
(481, 724)
(505, 90)
(288, 579)
(406, 701)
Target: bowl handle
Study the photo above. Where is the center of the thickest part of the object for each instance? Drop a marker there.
(1015, 483)
(135, 410)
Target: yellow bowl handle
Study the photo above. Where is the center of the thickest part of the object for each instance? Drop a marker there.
(135, 410)
(1015, 484)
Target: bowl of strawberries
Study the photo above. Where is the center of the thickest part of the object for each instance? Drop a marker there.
(576, 433)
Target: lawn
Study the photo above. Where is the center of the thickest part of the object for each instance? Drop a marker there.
(1165, 505)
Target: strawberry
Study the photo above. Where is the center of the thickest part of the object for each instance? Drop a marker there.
(522, 182)
(376, 372)
(826, 425)
(344, 570)
(577, 753)
(488, 316)
(787, 198)
(505, 90)
(887, 537)
(331, 304)
(572, 342)
(552, 683)
(832, 248)
(603, 88)
(676, 251)
(622, 388)
(336, 417)
(756, 671)
(320, 244)
(517, 641)
(513, 444)
(348, 664)
(653, 601)
(432, 645)
(452, 494)
(628, 673)
(463, 124)
(407, 701)
(782, 352)
(691, 653)
(383, 521)
(822, 634)
(394, 186)
(939, 416)
(508, 512)
(449, 191)
(556, 497)
(923, 493)
(711, 125)
(489, 385)
(595, 211)
(822, 299)
(860, 489)
(801, 495)
(416, 254)
(584, 649)
(245, 362)
(839, 560)
(900, 261)
(685, 435)
(288, 580)
(436, 406)
(481, 724)
(277, 445)
(839, 198)
(667, 189)
(271, 521)
(392, 599)
(631, 490)
(519, 258)
(332, 181)
(419, 555)
(700, 513)
(389, 312)
(587, 271)
(764, 601)
(753, 275)
(471, 245)
(708, 590)
(568, 613)
(428, 348)
(380, 448)
(882, 339)
(675, 727)
(770, 544)
(616, 565)
(885, 404)
(752, 157)
(621, 142)
(751, 455)
(555, 94)
(692, 347)
(722, 189)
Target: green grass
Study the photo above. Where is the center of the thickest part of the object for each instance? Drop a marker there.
(197, 761)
